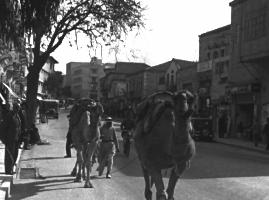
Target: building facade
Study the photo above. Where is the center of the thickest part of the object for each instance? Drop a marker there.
(47, 69)
(84, 78)
(115, 86)
(249, 66)
(214, 64)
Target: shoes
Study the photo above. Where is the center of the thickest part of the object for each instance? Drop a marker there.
(108, 175)
(67, 156)
(27, 147)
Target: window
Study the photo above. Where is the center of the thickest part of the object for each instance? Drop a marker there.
(219, 68)
(222, 52)
(215, 54)
(94, 79)
(77, 79)
(208, 55)
(78, 71)
(161, 80)
(77, 87)
(172, 79)
(255, 25)
(167, 80)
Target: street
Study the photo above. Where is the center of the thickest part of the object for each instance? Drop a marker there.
(218, 172)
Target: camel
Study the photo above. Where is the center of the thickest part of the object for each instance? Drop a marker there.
(162, 139)
(85, 135)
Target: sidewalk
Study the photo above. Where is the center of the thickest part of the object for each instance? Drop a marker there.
(248, 145)
(6, 181)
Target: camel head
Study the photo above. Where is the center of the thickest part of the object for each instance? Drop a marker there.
(183, 103)
(96, 111)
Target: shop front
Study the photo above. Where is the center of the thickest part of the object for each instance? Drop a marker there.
(246, 111)
(221, 116)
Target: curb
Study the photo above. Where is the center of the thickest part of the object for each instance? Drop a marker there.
(243, 147)
(6, 181)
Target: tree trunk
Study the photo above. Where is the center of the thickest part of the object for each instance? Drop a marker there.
(31, 94)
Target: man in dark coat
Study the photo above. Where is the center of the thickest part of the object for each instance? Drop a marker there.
(12, 128)
(266, 133)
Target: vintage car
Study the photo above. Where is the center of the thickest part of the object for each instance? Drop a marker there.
(202, 128)
(50, 107)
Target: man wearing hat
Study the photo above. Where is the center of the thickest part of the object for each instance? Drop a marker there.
(108, 147)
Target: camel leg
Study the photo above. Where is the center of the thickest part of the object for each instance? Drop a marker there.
(74, 171)
(79, 163)
(158, 181)
(147, 193)
(175, 175)
(90, 148)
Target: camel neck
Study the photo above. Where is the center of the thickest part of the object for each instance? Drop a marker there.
(182, 129)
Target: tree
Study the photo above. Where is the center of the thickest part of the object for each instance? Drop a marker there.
(48, 22)
(54, 83)
(66, 91)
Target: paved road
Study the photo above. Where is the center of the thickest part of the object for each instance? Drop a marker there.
(218, 172)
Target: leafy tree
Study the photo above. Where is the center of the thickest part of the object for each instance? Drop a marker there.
(66, 91)
(48, 22)
(54, 83)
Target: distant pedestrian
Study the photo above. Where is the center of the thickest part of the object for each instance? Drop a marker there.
(70, 117)
(68, 144)
(256, 133)
(266, 133)
(108, 147)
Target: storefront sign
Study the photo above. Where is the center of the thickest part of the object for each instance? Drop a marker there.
(204, 66)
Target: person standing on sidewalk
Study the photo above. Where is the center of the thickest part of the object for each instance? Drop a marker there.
(108, 147)
(68, 136)
(256, 133)
(12, 128)
(266, 133)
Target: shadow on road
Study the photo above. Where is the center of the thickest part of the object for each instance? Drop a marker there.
(35, 187)
(43, 158)
(212, 160)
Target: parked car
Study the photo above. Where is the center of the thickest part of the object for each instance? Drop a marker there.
(51, 107)
(202, 128)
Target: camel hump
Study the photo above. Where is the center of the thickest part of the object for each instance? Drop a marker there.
(151, 101)
(149, 112)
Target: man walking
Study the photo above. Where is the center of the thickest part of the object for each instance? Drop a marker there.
(108, 147)
(266, 133)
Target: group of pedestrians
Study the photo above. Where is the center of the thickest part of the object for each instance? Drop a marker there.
(14, 132)
(108, 144)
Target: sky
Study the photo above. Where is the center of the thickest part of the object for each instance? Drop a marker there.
(171, 30)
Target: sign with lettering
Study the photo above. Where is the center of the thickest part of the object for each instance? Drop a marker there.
(204, 66)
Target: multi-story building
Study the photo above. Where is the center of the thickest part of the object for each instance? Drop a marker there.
(85, 78)
(47, 69)
(249, 64)
(116, 85)
(161, 77)
(187, 78)
(213, 67)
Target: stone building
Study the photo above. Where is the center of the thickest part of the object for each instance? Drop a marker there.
(249, 70)
(213, 67)
(85, 78)
(115, 83)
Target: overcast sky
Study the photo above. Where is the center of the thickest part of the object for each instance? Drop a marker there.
(172, 30)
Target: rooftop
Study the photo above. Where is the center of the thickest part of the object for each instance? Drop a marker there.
(235, 2)
(129, 67)
(215, 31)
